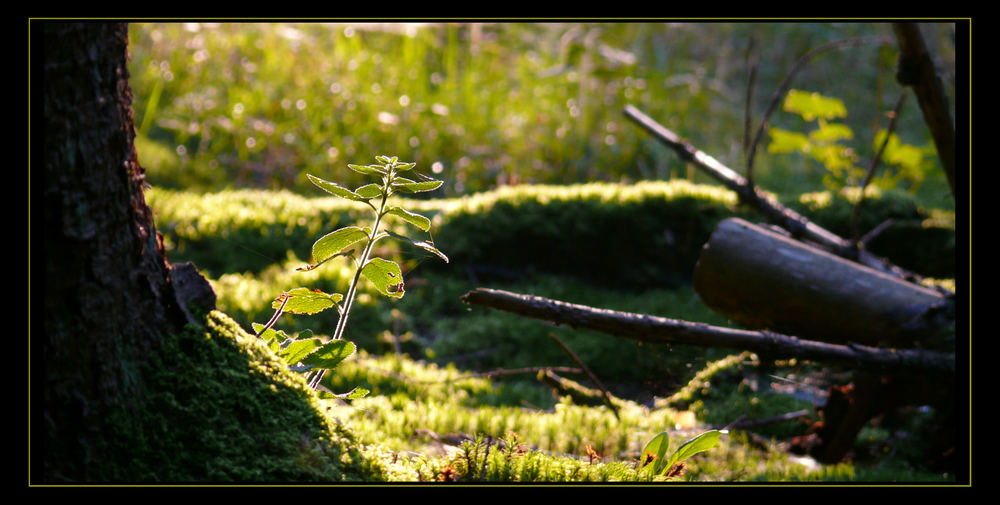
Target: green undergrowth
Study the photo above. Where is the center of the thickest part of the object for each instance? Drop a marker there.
(217, 406)
(423, 421)
(440, 421)
(578, 230)
(442, 424)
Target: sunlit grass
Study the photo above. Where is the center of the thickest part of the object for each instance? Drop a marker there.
(478, 104)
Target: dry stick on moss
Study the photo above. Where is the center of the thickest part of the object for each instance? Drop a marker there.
(574, 357)
(655, 329)
(894, 116)
(795, 223)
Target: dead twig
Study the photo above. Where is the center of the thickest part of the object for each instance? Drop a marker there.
(574, 357)
(655, 329)
(856, 213)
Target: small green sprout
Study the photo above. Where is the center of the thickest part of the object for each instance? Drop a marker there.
(654, 455)
(309, 355)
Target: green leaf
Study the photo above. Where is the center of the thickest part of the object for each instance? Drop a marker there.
(354, 394)
(831, 132)
(335, 189)
(415, 219)
(402, 167)
(701, 443)
(331, 354)
(427, 246)
(270, 334)
(813, 105)
(386, 160)
(905, 155)
(299, 349)
(333, 243)
(307, 301)
(784, 141)
(655, 453)
(369, 191)
(407, 186)
(385, 275)
(367, 169)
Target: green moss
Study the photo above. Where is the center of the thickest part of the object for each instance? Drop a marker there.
(215, 406)
(587, 231)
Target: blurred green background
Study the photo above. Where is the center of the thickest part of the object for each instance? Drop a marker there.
(482, 105)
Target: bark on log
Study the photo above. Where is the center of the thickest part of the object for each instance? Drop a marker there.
(763, 279)
(654, 329)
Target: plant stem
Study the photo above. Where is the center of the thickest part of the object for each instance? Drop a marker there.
(352, 291)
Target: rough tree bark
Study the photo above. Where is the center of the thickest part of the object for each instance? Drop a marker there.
(107, 287)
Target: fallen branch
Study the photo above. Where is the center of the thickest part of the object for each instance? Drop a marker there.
(798, 225)
(661, 330)
(749, 424)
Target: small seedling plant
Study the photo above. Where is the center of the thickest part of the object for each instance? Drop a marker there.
(654, 455)
(309, 355)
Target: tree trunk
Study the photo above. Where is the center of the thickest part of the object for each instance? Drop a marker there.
(108, 297)
(916, 69)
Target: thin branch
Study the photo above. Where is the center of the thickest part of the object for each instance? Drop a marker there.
(275, 317)
(745, 424)
(894, 115)
(654, 329)
(782, 90)
(752, 63)
(796, 224)
(574, 357)
(876, 231)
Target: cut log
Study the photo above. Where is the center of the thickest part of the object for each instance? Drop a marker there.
(762, 279)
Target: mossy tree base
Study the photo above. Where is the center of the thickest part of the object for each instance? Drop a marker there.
(215, 406)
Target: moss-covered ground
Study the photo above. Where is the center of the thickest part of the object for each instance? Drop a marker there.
(219, 407)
